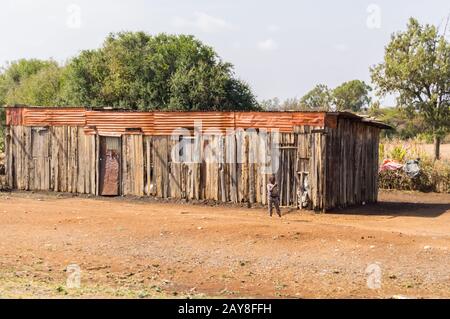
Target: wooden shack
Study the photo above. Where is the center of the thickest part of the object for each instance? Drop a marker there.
(330, 157)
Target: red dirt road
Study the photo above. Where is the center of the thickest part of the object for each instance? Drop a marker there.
(136, 248)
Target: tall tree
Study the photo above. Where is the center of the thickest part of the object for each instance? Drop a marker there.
(42, 88)
(138, 71)
(352, 95)
(270, 104)
(416, 66)
(14, 74)
(319, 98)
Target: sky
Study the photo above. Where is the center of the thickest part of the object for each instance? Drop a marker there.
(281, 48)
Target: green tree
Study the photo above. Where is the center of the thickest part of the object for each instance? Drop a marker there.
(351, 95)
(15, 73)
(416, 67)
(404, 123)
(319, 98)
(289, 104)
(27, 82)
(292, 104)
(138, 71)
(42, 88)
(270, 104)
(200, 87)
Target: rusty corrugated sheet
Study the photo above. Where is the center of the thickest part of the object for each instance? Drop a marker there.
(14, 116)
(308, 118)
(36, 116)
(331, 120)
(214, 122)
(267, 120)
(116, 123)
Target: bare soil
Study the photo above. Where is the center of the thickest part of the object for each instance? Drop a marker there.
(138, 248)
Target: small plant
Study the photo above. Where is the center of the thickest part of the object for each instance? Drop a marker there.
(398, 153)
(61, 290)
(143, 294)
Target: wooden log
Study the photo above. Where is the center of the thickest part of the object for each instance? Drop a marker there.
(245, 169)
(9, 157)
(222, 168)
(175, 173)
(149, 166)
(251, 167)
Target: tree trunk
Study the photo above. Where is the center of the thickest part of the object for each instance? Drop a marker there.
(437, 147)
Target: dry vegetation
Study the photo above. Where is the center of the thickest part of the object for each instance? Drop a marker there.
(434, 176)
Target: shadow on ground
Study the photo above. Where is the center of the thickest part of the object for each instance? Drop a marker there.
(385, 208)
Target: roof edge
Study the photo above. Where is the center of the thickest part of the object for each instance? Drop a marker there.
(339, 114)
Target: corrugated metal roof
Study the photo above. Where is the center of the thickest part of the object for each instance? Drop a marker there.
(213, 122)
(14, 116)
(117, 122)
(104, 122)
(53, 116)
(280, 120)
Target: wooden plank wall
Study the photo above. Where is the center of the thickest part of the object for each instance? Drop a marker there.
(352, 164)
(342, 164)
(232, 169)
(133, 165)
(58, 158)
(311, 158)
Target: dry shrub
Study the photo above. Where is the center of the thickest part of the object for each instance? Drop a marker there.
(440, 175)
(434, 175)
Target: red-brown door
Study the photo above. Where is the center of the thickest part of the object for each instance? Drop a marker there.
(109, 165)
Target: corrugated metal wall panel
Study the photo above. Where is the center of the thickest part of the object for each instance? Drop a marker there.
(116, 123)
(268, 120)
(14, 116)
(110, 122)
(217, 122)
(35, 116)
(308, 118)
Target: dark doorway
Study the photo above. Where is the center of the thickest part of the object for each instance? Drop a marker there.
(109, 163)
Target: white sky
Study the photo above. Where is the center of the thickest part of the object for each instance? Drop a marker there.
(281, 48)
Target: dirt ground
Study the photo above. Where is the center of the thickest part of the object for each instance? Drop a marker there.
(141, 249)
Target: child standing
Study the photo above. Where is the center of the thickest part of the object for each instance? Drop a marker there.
(273, 196)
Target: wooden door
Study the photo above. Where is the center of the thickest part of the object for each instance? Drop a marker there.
(109, 163)
(40, 167)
